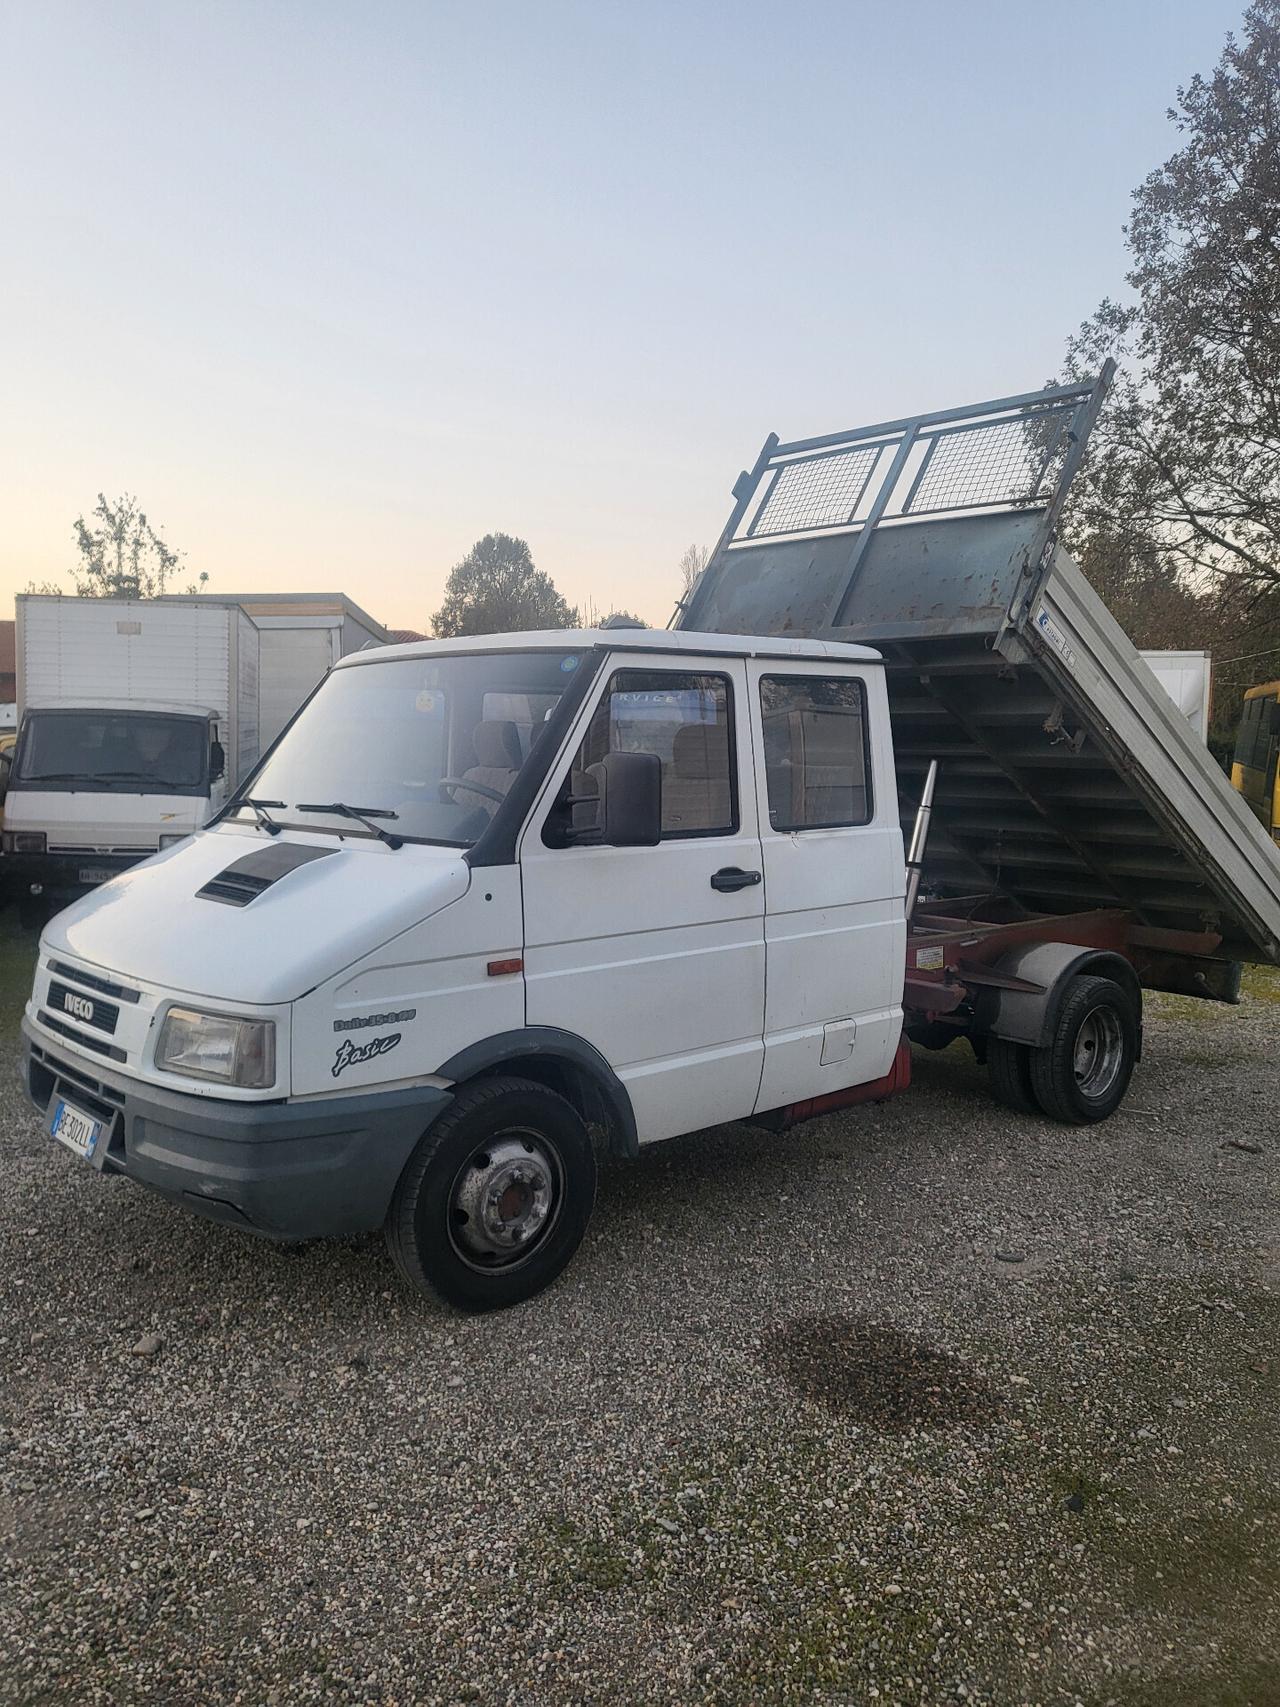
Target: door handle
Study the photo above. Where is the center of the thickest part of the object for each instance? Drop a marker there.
(732, 877)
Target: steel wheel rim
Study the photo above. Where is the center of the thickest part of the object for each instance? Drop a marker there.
(1098, 1053)
(505, 1199)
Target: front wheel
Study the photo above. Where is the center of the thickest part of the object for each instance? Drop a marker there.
(1081, 1074)
(496, 1198)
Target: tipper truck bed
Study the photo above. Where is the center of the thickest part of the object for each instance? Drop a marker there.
(1067, 782)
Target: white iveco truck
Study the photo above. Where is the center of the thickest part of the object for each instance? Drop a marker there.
(141, 716)
(490, 903)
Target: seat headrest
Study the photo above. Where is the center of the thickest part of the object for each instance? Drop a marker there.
(497, 745)
(699, 753)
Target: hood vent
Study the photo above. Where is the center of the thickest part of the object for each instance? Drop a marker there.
(247, 878)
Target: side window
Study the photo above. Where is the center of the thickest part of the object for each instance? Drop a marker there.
(687, 720)
(815, 752)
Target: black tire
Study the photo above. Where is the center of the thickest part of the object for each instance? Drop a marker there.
(1009, 1065)
(503, 1148)
(1081, 1075)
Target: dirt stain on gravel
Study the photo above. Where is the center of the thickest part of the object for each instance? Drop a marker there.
(882, 1378)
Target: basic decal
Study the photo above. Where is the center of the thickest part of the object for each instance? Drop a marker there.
(355, 1054)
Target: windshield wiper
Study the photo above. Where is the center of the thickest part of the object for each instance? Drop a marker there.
(259, 810)
(362, 815)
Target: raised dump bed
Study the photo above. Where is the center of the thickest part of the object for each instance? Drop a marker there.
(1068, 780)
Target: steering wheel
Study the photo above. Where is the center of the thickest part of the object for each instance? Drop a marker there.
(449, 783)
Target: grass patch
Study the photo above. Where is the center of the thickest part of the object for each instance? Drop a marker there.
(17, 968)
(1261, 984)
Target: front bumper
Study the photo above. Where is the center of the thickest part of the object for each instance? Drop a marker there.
(286, 1170)
(64, 876)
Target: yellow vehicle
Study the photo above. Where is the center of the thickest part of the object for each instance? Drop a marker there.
(1255, 771)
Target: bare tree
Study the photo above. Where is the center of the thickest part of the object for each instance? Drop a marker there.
(691, 565)
(590, 616)
(121, 555)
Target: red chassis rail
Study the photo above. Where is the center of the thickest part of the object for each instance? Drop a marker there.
(954, 948)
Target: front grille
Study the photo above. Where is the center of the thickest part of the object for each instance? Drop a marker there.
(87, 1010)
(81, 1037)
(82, 852)
(91, 981)
(50, 1072)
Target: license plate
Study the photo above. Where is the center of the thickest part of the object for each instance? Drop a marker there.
(77, 1130)
(95, 874)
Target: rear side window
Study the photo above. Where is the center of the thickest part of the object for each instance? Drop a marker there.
(686, 720)
(815, 752)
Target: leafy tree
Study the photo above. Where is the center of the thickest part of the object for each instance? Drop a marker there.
(497, 590)
(122, 556)
(1183, 482)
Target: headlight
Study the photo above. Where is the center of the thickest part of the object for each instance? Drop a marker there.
(172, 841)
(24, 841)
(214, 1046)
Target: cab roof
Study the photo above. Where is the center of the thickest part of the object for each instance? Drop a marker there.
(622, 640)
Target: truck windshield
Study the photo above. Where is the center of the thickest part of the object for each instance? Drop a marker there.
(427, 746)
(101, 752)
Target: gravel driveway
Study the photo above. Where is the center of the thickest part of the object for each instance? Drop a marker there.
(923, 1403)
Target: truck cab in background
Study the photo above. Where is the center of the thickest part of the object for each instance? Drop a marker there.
(93, 789)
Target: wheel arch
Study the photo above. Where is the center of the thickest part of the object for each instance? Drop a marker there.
(564, 1063)
(1025, 1016)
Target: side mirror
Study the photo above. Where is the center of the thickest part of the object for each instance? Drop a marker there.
(630, 792)
(217, 761)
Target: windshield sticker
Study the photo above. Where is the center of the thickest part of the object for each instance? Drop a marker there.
(368, 1020)
(356, 1054)
(429, 700)
(569, 663)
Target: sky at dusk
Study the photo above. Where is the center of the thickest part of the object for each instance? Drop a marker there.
(338, 289)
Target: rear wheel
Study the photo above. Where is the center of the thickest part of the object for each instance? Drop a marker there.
(496, 1198)
(1009, 1065)
(1081, 1075)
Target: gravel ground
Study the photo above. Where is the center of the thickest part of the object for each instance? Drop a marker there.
(924, 1403)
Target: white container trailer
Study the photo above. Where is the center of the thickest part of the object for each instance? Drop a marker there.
(300, 637)
(1187, 678)
(140, 716)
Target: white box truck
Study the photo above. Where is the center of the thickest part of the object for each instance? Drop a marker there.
(492, 902)
(140, 716)
(1187, 678)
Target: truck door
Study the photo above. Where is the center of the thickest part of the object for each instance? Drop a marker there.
(656, 954)
(835, 936)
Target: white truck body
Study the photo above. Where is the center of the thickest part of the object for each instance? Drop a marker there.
(129, 676)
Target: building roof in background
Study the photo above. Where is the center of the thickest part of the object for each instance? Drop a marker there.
(399, 636)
